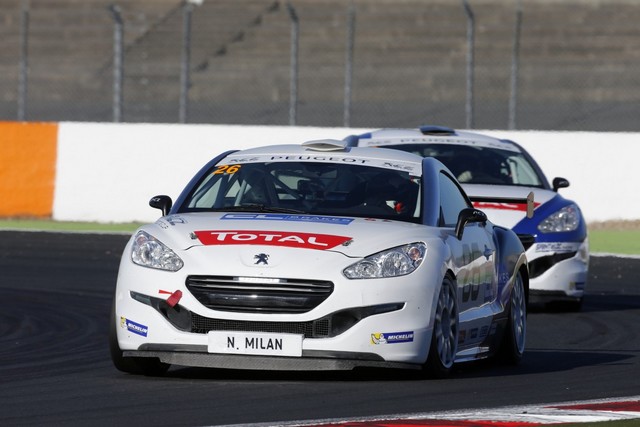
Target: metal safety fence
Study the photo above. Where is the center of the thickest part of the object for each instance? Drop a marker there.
(501, 64)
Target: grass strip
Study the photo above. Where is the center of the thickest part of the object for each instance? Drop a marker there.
(49, 225)
(625, 242)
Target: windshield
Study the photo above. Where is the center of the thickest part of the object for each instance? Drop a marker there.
(480, 165)
(308, 188)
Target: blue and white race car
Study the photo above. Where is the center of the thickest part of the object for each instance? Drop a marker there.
(319, 256)
(498, 175)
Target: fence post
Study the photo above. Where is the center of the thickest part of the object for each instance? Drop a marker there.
(118, 30)
(23, 78)
(348, 68)
(185, 77)
(469, 109)
(293, 86)
(515, 67)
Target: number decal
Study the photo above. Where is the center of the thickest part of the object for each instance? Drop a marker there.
(227, 169)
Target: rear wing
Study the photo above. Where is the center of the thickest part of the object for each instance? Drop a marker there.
(521, 204)
(510, 203)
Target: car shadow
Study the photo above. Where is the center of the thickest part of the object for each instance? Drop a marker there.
(604, 301)
(534, 362)
(542, 361)
(358, 374)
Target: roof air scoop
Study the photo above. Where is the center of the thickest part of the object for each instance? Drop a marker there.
(436, 130)
(326, 145)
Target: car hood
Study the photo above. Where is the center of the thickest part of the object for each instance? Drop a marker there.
(353, 237)
(500, 203)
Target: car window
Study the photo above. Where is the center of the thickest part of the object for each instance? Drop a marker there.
(452, 201)
(311, 188)
(480, 164)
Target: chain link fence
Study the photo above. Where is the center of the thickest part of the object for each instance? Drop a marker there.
(499, 64)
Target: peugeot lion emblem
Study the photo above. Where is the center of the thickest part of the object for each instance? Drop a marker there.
(261, 259)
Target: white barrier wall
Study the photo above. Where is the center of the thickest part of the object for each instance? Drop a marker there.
(108, 172)
(600, 166)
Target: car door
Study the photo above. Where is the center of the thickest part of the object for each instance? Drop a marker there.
(473, 257)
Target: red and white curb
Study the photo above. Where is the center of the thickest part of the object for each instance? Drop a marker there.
(511, 416)
(515, 416)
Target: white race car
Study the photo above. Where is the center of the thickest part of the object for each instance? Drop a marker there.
(498, 175)
(319, 256)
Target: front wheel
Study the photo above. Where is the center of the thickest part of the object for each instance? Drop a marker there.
(444, 339)
(512, 347)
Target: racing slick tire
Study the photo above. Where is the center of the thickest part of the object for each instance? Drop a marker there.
(513, 343)
(132, 365)
(444, 339)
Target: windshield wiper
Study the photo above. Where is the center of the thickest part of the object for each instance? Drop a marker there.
(257, 207)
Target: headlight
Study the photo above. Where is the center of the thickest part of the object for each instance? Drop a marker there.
(566, 219)
(148, 251)
(390, 263)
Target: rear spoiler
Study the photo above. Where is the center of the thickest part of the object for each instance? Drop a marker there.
(514, 203)
(509, 202)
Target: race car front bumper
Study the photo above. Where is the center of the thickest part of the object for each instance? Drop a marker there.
(558, 270)
(378, 322)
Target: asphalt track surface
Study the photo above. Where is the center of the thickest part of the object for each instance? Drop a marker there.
(55, 296)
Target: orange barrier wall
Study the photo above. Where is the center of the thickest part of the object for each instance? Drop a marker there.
(27, 168)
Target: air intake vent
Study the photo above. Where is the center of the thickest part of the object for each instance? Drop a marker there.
(436, 130)
(527, 240)
(313, 329)
(326, 145)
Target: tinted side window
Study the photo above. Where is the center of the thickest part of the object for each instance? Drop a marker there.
(452, 201)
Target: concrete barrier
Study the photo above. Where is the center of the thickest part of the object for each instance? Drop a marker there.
(108, 172)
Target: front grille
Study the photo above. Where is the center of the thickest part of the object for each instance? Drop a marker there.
(314, 329)
(225, 293)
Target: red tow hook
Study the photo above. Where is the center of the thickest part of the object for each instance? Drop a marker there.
(174, 298)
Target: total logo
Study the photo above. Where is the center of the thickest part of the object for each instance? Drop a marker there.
(271, 238)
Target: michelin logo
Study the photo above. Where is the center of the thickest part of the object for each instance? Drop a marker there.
(134, 327)
(391, 337)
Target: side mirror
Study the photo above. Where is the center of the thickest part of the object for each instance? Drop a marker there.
(467, 216)
(164, 203)
(559, 183)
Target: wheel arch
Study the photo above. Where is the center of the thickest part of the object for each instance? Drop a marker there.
(524, 272)
(511, 259)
